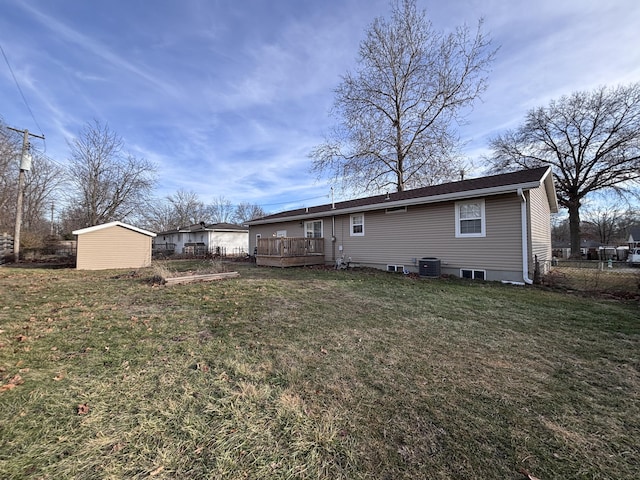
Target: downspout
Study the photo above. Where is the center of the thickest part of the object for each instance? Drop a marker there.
(333, 230)
(525, 239)
(333, 239)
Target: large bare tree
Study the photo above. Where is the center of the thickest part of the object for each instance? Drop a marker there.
(398, 110)
(591, 139)
(109, 184)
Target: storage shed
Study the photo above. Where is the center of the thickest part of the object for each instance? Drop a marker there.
(113, 245)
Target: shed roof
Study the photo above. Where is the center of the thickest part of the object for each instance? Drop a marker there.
(474, 187)
(113, 224)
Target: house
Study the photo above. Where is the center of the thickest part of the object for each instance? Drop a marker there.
(634, 246)
(201, 239)
(113, 245)
(490, 228)
(634, 237)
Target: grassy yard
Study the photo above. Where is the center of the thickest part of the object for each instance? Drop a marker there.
(313, 374)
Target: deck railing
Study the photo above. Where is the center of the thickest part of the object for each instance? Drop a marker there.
(290, 246)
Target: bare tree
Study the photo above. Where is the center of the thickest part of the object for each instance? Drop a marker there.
(559, 230)
(221, 211)
(42, 187)
(10, 147)
(71, 218)
(42, 183)
(109, 184)
(246, 211)
(158, 216)
(176, 210)
(631, 219)
(397, 111)
(603, 223)
(590, 139)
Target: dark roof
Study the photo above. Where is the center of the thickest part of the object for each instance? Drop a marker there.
(225, 226)
(199, 227)
(635, 233)
(424, 194)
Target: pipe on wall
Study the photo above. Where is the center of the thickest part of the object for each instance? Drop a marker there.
(525, 243)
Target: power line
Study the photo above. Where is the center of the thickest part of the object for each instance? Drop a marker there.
(294, 201)
(24, 99)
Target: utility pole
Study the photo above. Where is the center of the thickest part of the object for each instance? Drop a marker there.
(25, 165)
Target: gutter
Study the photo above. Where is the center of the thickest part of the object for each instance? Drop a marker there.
(525, 252)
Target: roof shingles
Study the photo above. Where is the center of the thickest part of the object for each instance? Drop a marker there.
(470, 185)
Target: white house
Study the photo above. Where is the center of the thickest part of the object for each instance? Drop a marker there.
(215, 239)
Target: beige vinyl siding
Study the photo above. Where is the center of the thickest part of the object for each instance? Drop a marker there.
(296, 229)
(540, 234)
(114, 247)
(293, 229)
(429, 231)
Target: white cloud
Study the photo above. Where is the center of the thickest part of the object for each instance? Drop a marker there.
(229, 98)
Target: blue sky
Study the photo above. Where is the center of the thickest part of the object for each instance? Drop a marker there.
(229, 97)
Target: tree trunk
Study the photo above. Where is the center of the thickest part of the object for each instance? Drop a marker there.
(574, 227)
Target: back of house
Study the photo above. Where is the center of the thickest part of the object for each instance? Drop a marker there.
(491, 228)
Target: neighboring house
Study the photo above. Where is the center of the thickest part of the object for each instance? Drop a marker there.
(634, 237)
(634, 246)
(485, 228)
(113, 245)
(218, 238)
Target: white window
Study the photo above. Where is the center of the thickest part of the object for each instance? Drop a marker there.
(395, 268)
(313, 229)
(357, 225)
(473, 274)
(470, 219)
(281, 233)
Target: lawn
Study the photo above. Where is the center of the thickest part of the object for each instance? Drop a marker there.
(313, 374)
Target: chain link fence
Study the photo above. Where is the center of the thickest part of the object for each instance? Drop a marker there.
(612, 277)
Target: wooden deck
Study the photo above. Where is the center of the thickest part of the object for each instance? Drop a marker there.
(290, 252)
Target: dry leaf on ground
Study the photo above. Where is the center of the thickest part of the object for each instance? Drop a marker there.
(12, 383)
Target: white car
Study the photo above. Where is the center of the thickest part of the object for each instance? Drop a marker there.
(634, 256)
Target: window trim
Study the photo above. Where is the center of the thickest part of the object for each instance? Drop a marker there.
(473, 273)
(351, 225)
(483, 230)
(306, 230)
(395, 268)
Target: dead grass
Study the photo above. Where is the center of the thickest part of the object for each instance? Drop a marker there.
(166, 269)
(306, 373)
(596, 277)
